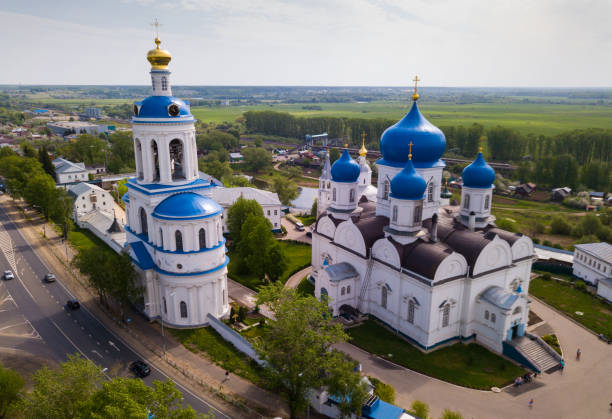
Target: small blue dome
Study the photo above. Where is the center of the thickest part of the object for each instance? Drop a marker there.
(408, 184)
(158, 107)
(345, 169)
(428, 141)
(478, 174)
(185, 206)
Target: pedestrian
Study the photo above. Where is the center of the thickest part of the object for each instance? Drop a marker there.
(226, 375)
(531, 403)
(562, 365)
(578, 352)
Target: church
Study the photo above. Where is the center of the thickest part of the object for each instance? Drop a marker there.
(431, 272)
(174, 228)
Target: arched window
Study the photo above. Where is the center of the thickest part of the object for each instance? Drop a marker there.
(394, 216)
(155, 155)
(165, 306)
(411, 312)
(324, 294)
(348, 289)
(466, 201)
(176, 159)
(486, 314)
(178, 237)
(445, 315)
(430, 192)
(164, 83)
(143, 222)
(161, 238)
(386, 189)
(139, 158)
(418, 211)
(343, 291)
(334, 195)
(383, 297)
(328, 184)
(492, 317)
(487, 201)
(352, 195)
(183, 306)
(202, 237)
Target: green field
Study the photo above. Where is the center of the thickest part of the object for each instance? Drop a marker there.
(546, 119)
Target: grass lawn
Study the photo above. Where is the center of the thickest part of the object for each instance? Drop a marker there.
(307, 220)
(208, 342)
(306, 287)
(298, 257)
(468, 365)
(82, 239)
(597, 314)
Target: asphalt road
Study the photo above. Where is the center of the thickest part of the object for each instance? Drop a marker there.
(63, 330)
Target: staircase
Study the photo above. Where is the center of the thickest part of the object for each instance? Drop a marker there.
(364, 286)
(537, 352)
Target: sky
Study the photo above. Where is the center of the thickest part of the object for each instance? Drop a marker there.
(527, 43)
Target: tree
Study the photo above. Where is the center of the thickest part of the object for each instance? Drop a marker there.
(314, 209)
(45, 161)
(297, 344)
(11, 385)
(334, 155)
(286, 189)
(255, 240)
(276, 261)
(347, 386)
(237, 215)
(559, 225)
(419, 409)
(62, 393)
(28, 150)
(257, 159)
(216, 168)
(41, 191)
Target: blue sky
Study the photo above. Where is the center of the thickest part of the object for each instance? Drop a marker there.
(311, 42)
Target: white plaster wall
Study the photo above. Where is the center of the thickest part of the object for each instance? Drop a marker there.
(83, 205)
(604, 290)
(431, 175)
(72, 177)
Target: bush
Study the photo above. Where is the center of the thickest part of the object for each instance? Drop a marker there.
(506, 224)
(383, 390)
(547, 243)
(242, 312)
(559, 225)
(536, 240)
(450, 414)
(580, 286)
(419, 409)
(546, 276)
(557, 246)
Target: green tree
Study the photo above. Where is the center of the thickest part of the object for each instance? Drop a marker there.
(255, 240)
(237, 215)
(419, 409)
(286, 189)
(86, 148)
(41, 191)
(559, 225)
(334, 154)
(216, 168)
(314, 209)
(450, 414)
(45, 161)
(257, 159)
(11, 385)
(347, 386)
(28, 149)
(276, 261)
(297, 344)
(62, 393)
(18, 171)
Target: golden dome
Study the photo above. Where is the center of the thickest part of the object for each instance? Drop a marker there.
(363, 151)
(159, 58)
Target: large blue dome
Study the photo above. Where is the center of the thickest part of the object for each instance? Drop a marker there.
(478, 174)
(186, 206)
(159, 107)
(428, 142)
(345, 169)
(408, 184)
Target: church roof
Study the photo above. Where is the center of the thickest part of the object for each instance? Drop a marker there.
(340, 271)
(422, 257)
(227, 196)
(186, 206)
(159, 107)
(345, 169)
(142, 256)
(499, 297)
(601, 250)
(478, 174)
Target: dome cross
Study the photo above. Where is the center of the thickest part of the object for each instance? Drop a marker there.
(410, 152)
(156, 25)
(415, 95)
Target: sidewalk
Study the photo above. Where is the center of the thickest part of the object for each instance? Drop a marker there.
(295, 279)
(193, 371)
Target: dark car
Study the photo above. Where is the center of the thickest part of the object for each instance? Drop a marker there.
(49, 277)
(140, 368)
(73, 304)
(309, 234)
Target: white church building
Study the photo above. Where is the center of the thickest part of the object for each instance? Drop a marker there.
(173, 226)
(433, 274)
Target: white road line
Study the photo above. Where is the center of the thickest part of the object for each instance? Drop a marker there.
(97, 353)
(113, 345)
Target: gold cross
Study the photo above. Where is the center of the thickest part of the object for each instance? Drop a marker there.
(415, 95)
(156, 25)
(363, 135)
(410, 153)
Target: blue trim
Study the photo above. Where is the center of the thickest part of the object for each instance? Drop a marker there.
(160, 249)
(163, 217)
(223, 265)
(418, 165)
(552, 249)
(406, 199)
(167, 189)
(135, 121)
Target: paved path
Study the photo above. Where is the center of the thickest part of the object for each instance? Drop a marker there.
(295, 279)
(293, 233)
(583, 390)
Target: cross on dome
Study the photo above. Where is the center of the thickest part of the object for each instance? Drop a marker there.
(363, 151)
(415, 95)
(410, 152)
(156, 25)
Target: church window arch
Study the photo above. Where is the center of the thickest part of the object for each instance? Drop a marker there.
(430, 192)
(164, 83)
(138, 156)
(202, 238)
(328, 184)
(143, 222)
(348, 289)
(418, 211)
(486, 315)
(352, 195)
(343, 291)
(492, 317)
(386, 189)
(176, 159)
(165, 305)
(411, 308)
(334, 195)
(155, 155)
(383, 296)
(161, 238)
(446, 315)
(466, 201)
(487, 201)
(178, 237)
(394, 217)
(183, 307)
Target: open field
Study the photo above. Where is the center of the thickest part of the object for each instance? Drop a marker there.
(545, 119)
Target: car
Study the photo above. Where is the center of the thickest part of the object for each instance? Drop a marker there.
(309, 234)
(300, 227)
(140, 368)
(49, 277)
(8, 275)
(73, 304)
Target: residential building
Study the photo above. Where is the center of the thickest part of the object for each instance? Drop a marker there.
(559, 194)
(88, 198)
(593, 261)
(269, 202)
(63, 128)
(69, 172)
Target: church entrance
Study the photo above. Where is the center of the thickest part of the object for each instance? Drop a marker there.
(515, 331)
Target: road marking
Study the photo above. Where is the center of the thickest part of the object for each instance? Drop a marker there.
(98, 343)
(97, 353)
(82, 328)
(113, 345)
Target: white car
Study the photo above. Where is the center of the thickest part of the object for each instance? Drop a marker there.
(8, 275)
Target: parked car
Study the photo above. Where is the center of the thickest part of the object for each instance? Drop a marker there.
(140, 368)
(73, 304)
(300, 227)
(8, 275)
(309, 234)
(49, 277)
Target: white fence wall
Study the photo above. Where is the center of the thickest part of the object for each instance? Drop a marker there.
(234, 338)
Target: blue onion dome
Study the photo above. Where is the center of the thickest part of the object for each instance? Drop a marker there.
(162, 107)
(478, 174)
(186, 206)
(408, 184)
(428, 141)
(345, 169)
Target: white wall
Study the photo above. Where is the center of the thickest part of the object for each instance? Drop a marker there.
(604, 289)
(590, 268)
(83, 203)
(72, 177)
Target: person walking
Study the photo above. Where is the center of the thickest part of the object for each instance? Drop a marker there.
(578, 353)
(531, 403)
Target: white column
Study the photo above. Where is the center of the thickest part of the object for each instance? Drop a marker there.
(164, 163)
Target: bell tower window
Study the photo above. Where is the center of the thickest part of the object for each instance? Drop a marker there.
(386, 189)
(176, 159)
(430, 192)
(164, 83)
(466, 201)
(487, 201)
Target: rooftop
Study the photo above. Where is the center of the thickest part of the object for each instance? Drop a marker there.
(227, 196)
(601, 250)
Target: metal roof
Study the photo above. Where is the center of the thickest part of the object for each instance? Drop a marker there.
(340, 271)
(227, 196)
(600, 250)
(499, 297)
